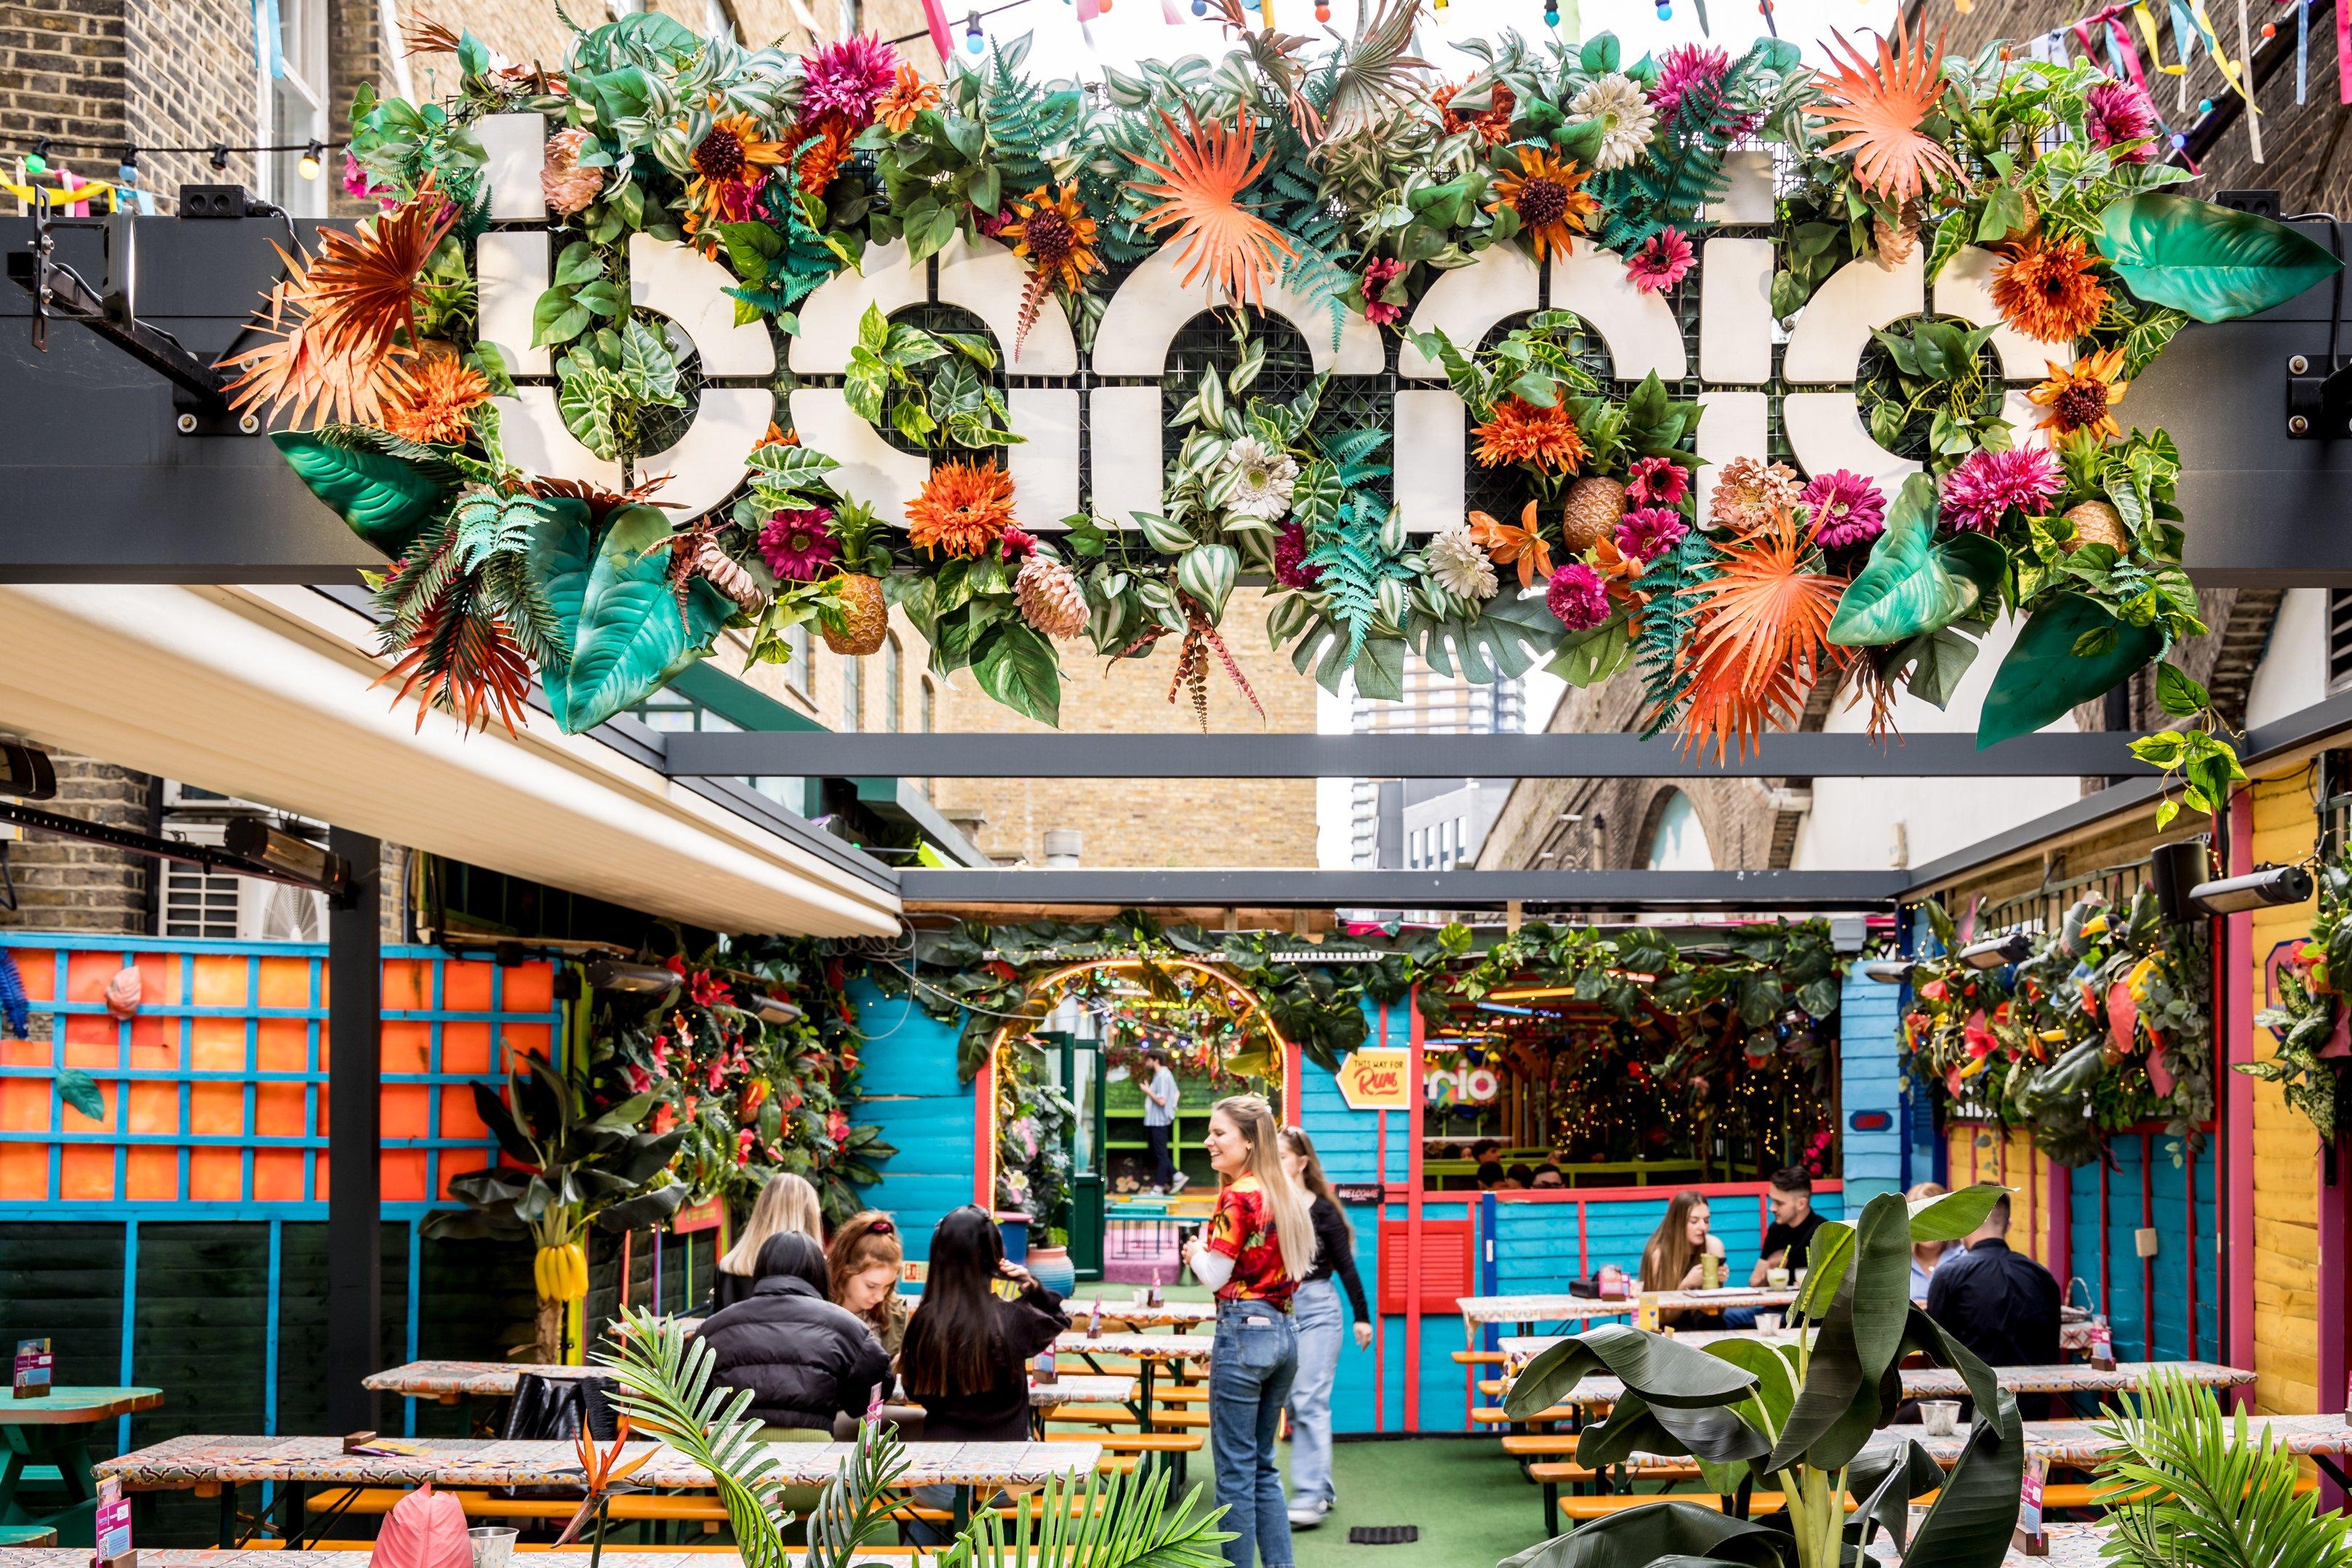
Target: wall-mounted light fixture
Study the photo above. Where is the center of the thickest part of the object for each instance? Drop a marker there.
(642, 979)
(2262, 888)
(1997, 951)
(252, 838)
(1887, 971)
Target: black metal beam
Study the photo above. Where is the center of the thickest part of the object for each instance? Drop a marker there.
(354, 1086)
(1141, 887)
(803, 753)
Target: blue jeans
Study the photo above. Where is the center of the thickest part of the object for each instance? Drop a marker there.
(1251, 1364)
(1321, 1328)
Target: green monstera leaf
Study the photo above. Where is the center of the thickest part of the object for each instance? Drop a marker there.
(2215, 263)
(387, 500)
(2043, 677)
(1909, 589)
(629, 636)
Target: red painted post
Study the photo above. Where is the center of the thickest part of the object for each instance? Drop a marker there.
(1413, 1225)
(983, 1123)
(1584, 1256)
(2234, 999)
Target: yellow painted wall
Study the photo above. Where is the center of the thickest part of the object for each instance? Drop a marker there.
(2286, 1254)
(1980, 1151)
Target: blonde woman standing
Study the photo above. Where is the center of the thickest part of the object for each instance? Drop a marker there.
(1256, 1248)
(787, 1203)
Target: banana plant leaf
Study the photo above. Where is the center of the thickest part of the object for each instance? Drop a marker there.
(2042, 678)
(1766, 1409)
(1908, 589)
(1976, 1509)
(636, 1213)
(2215, 263)
(1716, 1433)
(1661, 1371)
(1662, 1535)
(632, 633)
(1885, 1480)
(386, 500)
(1950, 1216)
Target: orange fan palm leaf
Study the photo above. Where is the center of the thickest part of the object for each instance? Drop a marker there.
(340, 317)
(1758, 642)
(1205, 171)
(1875, 107)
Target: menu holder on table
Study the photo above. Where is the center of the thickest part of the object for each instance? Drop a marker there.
(112, 1527)
(2030, 1540)
(36, 1369)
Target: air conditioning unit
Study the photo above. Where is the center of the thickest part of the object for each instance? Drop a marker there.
(181, 797)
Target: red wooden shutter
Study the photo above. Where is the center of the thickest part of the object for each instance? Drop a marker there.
(1447, 1268)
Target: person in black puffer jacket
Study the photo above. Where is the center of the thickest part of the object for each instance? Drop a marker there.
(803, 1358)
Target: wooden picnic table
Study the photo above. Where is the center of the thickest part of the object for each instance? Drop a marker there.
(1167, 1314)
(1148, 1350)
(1941, 1382)
(1477, 1311)
(205, 1464)
(214, 1557)
(53, 1432)
(450, 1381)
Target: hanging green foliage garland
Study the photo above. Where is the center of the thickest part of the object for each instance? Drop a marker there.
(2309, 1011)
(2105, 1024)
(1351, 178)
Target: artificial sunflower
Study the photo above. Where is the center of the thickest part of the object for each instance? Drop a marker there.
(1521, 432)
(434, 402)
(1546, 193)
(730, 163)
(2082, 396)
(1203, 171)
(908, 95)
(962, 510)
(2046, 289)
(1057, 239)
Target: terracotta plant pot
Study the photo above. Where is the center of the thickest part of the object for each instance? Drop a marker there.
(1052, 1269)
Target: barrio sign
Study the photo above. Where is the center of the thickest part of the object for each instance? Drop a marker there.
(1377, 1080)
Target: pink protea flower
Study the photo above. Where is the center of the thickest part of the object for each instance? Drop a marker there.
(1847, 507)
(847, 79)
(1289, 550)
(1378, 273)
(1649, 532)
(1656, 482)
(1578, 596)
(798, 543)
(1661, 263)
(2115, 112)
(1978, 493)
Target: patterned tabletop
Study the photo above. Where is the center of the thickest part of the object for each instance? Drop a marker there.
(1167, 1314)
(2076, 1444)
(1480, 1310)
(1936, 1381)
(67, 1405)
(200, 1460)
(2072, 1337)
(1141, 1346)
(215, 1557)
(452, 1380)
(2071, 1546)
(1082, 1388)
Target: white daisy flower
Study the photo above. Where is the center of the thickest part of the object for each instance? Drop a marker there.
(1457, 563)
(1627, 120)
(1268, 476)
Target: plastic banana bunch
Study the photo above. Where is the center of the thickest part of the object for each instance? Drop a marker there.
(560, 1272)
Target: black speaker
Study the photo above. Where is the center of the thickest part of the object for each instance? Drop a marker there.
(2172, 871)
(214, 202)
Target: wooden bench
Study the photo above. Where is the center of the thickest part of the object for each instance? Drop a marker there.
(1496, 1416)
(1121, 1416)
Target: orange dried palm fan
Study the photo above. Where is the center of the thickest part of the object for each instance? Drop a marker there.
(1759, 642)
(1876, 106)
(341, 316)
(1206, 171)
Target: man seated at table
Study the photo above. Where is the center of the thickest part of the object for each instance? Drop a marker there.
(1787, 1238)
(2000, 1305)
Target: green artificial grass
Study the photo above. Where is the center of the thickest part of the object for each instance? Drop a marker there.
(1471, 1505)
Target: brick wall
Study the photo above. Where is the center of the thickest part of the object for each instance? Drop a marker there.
(65, 885)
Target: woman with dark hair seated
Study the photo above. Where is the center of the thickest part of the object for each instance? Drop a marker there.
(803, 1358)
(965, 1358)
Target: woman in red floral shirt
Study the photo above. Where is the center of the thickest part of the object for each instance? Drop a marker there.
(1255, 1249)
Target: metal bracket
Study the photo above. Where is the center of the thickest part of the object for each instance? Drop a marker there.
(2318, 404)
(199, 401)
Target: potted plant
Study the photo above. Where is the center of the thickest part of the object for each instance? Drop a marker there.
(1804, 1413)
(1051, 1262)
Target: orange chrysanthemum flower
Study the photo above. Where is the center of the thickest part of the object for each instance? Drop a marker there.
(339, 317)
(821, 156)
(907, 97)
(1547, 193)
(1521, 432)
(1760, 638)
(1055, 235)
(962, 510)
(1202, 172)
(2082, 396)
(1493, 125)
(435, 401)
(2046, 289)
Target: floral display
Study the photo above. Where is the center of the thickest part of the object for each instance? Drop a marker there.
(2308, 1016)
(1343, 183)
(2106, 1025)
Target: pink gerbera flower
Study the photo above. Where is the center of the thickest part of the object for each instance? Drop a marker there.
(1649, 532)
(798, 544)
(1847, 507)
(1656, 482)
(1661, 263)
(2115, 112)
(847, 79)
(1378, 273)
(1016, 543)
(1578, 596)
(1687, 66)
(1979, 493)
(1289, 552)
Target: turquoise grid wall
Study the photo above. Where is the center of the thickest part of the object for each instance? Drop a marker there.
(908, 1087)
(1870, 1080)
(2123, 1289)
(1537, 1248)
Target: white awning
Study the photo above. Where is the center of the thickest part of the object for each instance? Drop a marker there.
(270, 694)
